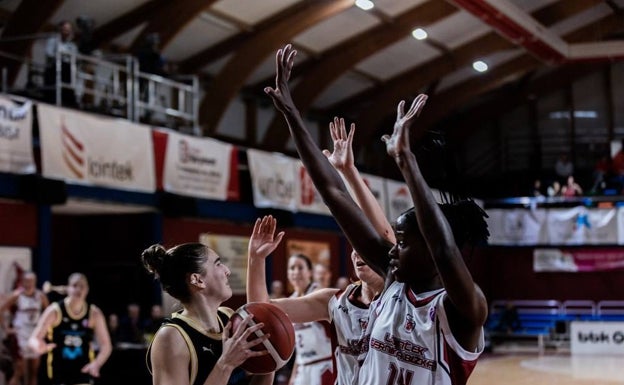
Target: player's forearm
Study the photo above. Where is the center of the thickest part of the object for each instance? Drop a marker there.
(256, 281)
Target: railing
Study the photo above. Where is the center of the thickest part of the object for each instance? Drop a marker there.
(109, 84)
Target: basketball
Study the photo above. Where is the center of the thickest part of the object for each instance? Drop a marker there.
(280, 345)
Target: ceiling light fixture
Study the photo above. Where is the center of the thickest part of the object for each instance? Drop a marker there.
(480, 66)
(419, 34)
(364, 4)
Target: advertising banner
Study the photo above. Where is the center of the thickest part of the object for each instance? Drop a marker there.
(273, 179)
(197, 167)
(88, 149)
(16, 146)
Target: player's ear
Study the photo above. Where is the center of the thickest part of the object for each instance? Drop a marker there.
(196, 280)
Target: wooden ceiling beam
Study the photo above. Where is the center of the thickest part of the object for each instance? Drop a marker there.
(254, 51)
(346, 55)
(170, 19)
(124, 23)
(29, 18)
(197, 61)
(455, 97)
(406, 85)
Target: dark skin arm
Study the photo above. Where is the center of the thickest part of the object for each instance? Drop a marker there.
(465, 303)
(365, 240)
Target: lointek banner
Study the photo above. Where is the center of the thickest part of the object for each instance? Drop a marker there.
(273, 179)
(91, 150)
(16, 146)
(197, 167)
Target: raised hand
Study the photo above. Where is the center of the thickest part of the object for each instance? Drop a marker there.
(263, 240)
(342, 157)
(284, 61)
(398, 143)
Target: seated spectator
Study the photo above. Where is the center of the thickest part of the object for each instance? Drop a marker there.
(509, 320)
(571, 188)
(602, 169)
(321, 275)
(342, 283)
(153, 322)
(537, 188)
(131, 326)
(554, 190)
(277, 289)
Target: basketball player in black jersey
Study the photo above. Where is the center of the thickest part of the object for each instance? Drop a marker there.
(196, 345)
(66, 332)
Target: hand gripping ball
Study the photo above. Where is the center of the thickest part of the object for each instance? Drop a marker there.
(280, 345)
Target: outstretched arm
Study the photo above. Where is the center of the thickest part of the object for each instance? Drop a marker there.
(354, 224)
(261, 243)
(311, 307)
(467, 302)
(342, 159)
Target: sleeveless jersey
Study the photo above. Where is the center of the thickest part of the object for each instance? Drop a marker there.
(314, 351)
(410, 342)
(28, 309)
(73, 337)
(349, 320)
(204, 348)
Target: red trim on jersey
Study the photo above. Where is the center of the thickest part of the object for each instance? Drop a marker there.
(419, 302)
(458, 369)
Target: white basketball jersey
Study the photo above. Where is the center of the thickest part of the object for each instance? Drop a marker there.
(349, 322)
(410, 342)
(28, 309)
(313, 340)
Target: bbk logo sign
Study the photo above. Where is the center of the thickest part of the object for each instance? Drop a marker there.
(597, 337)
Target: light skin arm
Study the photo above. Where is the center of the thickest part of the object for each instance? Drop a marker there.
(465, 302)
(311, 307)
(353, 222)
(101, 335)
(48, 318)
(170, 356)
(343, 160)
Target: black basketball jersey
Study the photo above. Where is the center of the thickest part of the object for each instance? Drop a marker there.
(73, 337)
(204, 348)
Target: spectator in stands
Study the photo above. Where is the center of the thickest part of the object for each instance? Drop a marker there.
(153, 322)
(602, 169)
(537, 188)
(554, 190)
(64, 41)
(618, 167)
(563, 168)
(131, 326)
(113, 327)
(571, 188)
(509, 320)
(277, 289)
(150, 59)
(342, 283)
(321, 275)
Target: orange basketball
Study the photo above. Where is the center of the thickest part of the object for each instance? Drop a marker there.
(280, 345)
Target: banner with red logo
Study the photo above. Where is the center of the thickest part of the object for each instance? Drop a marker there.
(577, 260)
(273, 179)
(16, 147)
(377, 186)
(308, 198)
(87, 149)
(197, 167)
(399, 199)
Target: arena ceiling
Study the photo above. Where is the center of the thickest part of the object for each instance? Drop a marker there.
(352, 62)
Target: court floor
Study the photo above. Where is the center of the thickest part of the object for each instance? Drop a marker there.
(548, 369)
